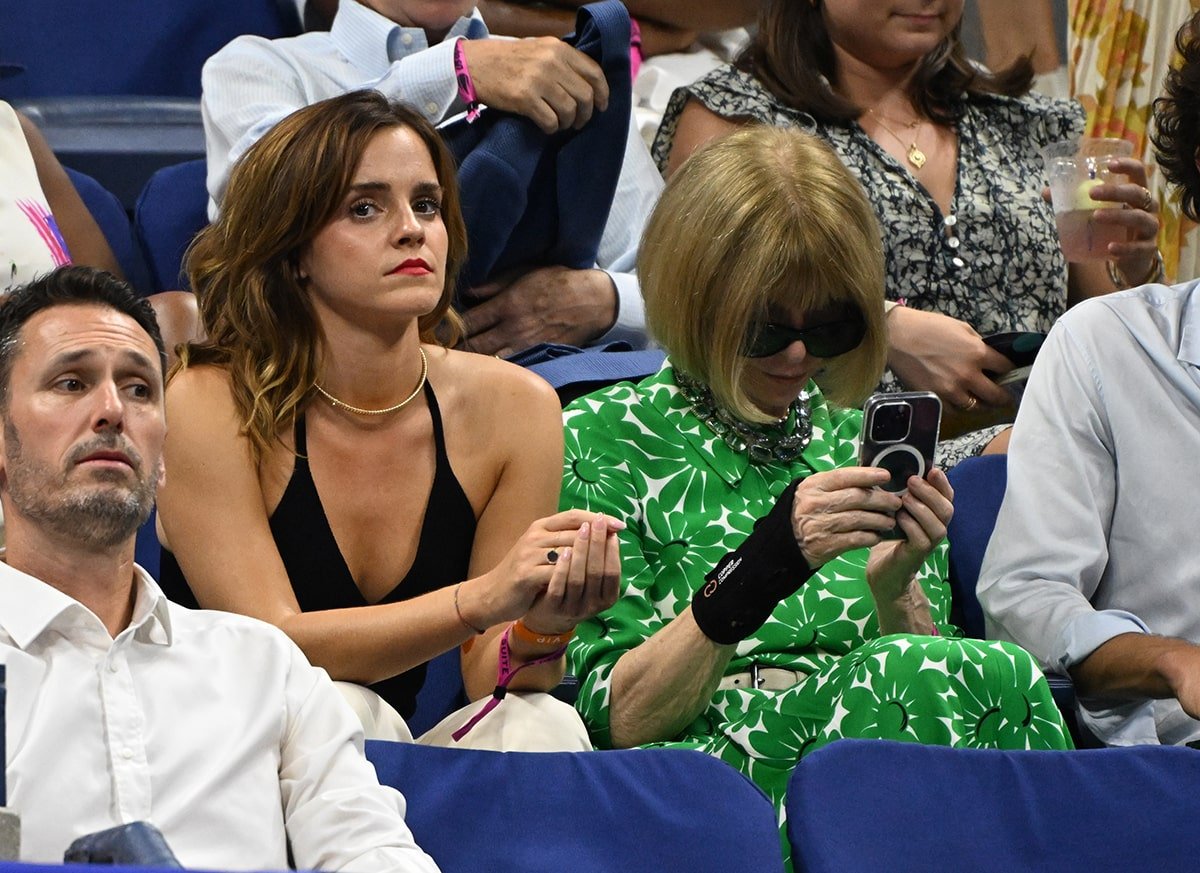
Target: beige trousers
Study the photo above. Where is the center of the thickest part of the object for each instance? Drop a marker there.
(522, 722)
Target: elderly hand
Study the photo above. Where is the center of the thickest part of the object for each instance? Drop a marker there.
(925, 511)
(547, 304)
(586, 580)
(1137, 213)
(929, 351)
(839, 510)
(542, 78)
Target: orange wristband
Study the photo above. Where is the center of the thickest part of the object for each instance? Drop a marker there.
(525, 635)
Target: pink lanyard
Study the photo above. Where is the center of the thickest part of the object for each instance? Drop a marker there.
(504, 675)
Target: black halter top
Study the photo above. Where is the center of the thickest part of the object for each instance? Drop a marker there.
(318, 572)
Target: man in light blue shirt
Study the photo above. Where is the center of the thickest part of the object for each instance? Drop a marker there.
(1092, 565)
(405, 49)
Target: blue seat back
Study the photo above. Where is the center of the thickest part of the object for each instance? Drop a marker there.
(441, 694)
(584, 812)
(907, 808)
(979, 485)
(171, 210)
(574, 372)
(114, 223)
(145, 47)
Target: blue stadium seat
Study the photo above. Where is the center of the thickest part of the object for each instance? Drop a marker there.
(131, 47)
(114, 223)
(573, 372)
(172, 208)
(860, 805)
(979, 485)
(583, 812)
(120, 141)
(442, 693)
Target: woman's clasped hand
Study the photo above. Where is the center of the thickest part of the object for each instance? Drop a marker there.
(565, 568)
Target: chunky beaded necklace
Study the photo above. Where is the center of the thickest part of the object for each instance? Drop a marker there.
(781, 441)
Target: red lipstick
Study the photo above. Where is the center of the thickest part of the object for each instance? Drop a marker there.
(412, 267)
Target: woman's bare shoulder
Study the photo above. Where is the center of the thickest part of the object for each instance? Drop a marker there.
(487, 381)
(200, 393)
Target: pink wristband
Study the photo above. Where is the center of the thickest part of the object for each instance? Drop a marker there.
(504, 675)
(635, 48)
(466, 87)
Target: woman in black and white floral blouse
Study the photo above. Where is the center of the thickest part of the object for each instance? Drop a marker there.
(950, 156)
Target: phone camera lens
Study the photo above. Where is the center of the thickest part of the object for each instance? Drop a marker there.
(891, 422)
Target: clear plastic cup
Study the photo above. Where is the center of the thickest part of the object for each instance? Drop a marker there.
(1074, 169)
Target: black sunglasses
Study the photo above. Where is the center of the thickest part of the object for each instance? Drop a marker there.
(821, 340)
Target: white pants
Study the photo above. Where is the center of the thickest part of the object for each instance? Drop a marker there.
(522, 722)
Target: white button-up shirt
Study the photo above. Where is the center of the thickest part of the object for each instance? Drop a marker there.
(1096, 534)
(253, 83)
(212, 726)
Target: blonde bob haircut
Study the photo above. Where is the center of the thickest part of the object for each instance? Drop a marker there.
(762, 216)
(257, 316)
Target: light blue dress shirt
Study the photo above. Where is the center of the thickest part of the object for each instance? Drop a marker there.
(253, 83)
(1096, 536)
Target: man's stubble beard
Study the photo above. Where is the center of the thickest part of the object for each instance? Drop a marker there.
(98, 517)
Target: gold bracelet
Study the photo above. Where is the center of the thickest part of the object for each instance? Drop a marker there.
(525, 634)
(458, 611)
(1157, 273)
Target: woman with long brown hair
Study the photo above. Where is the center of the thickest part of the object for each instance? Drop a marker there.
(335, 468)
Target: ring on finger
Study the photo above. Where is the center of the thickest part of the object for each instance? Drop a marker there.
(552, 556)
(1147, 200)
(972, 402)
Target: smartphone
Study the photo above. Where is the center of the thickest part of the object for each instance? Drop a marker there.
(900, 433)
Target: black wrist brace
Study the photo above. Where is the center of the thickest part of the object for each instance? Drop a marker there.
(744, 587)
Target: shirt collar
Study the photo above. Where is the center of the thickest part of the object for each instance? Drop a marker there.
(372, 42)
(1189, 328)
(29, 607)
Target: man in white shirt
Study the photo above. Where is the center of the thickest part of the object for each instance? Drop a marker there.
(405, 50)
(122, 706)
(1092, 566)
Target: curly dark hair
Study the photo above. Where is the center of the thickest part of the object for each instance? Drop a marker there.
(1176, 134)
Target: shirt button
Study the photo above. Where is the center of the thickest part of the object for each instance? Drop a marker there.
(950, 220)
(958, 262)
(953, 242)
(431, 108)
(127, 753)
(406, 38)
(113, 667)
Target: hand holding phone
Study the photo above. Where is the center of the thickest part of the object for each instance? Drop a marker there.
(900, 434)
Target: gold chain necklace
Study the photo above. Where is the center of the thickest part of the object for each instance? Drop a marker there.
(341, 404)
(915, 156)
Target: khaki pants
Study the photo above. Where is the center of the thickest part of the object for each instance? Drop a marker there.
(522, 722)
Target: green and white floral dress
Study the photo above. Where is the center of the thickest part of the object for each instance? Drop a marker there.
(639, 453)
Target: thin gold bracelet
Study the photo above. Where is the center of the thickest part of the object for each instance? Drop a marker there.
(458, 611)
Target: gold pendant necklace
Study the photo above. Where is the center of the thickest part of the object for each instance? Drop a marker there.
(915, 156)
(341, 404)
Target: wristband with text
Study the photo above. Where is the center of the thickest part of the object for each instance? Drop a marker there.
(466, 86)
(745, 586)
(504, 675)
(522, 632)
